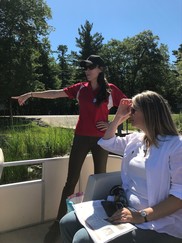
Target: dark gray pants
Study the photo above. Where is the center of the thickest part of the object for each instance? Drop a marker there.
(82, 145)
(73, 232)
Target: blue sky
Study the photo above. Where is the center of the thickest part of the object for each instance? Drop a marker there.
(116, 19)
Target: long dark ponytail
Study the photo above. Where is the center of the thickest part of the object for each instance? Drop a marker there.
(104, 90)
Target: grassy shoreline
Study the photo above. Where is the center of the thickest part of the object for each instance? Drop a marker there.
(32, 139)
(27, 139)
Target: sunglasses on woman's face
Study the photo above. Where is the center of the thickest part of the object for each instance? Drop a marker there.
(91, 67)
(132, 111)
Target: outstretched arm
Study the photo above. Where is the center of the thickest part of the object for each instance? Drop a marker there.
(48, 94)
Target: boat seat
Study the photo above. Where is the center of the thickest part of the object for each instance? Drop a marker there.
(99, 185)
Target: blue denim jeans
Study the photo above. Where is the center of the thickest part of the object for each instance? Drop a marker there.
(72, 231)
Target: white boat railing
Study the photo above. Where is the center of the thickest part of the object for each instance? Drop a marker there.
(32, 202)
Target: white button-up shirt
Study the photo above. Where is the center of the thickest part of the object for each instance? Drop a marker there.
(163, 167)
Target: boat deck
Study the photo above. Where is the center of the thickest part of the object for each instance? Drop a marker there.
(33, 234)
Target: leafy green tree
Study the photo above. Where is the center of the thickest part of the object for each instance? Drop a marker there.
(178, 72)
(48, 69)
(137, 63)
(23, 26)
(66, 75)
(87, 42)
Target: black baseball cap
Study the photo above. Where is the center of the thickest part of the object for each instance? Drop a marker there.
(92, 60)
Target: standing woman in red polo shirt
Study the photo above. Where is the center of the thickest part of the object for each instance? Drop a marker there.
(95, 96)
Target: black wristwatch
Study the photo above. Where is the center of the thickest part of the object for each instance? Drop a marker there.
(144, 215)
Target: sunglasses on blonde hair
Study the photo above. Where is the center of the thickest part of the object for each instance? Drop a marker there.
(132, 111)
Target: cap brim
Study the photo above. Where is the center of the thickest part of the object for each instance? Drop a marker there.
(86, 63)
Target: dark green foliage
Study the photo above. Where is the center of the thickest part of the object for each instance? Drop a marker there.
(26, 62)
(24, 48)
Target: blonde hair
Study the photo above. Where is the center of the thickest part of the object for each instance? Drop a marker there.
(157, 115)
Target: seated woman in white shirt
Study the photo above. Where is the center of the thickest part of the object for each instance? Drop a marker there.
(151, 174)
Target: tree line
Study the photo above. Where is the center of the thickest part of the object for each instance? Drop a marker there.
(28, 63)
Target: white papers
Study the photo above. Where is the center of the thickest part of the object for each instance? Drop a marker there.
(92, 216)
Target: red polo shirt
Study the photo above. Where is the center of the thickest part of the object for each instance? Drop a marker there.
(89, 113)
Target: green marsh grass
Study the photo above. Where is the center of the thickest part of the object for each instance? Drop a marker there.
(25, 139)
(28, 140)
(34, 142)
